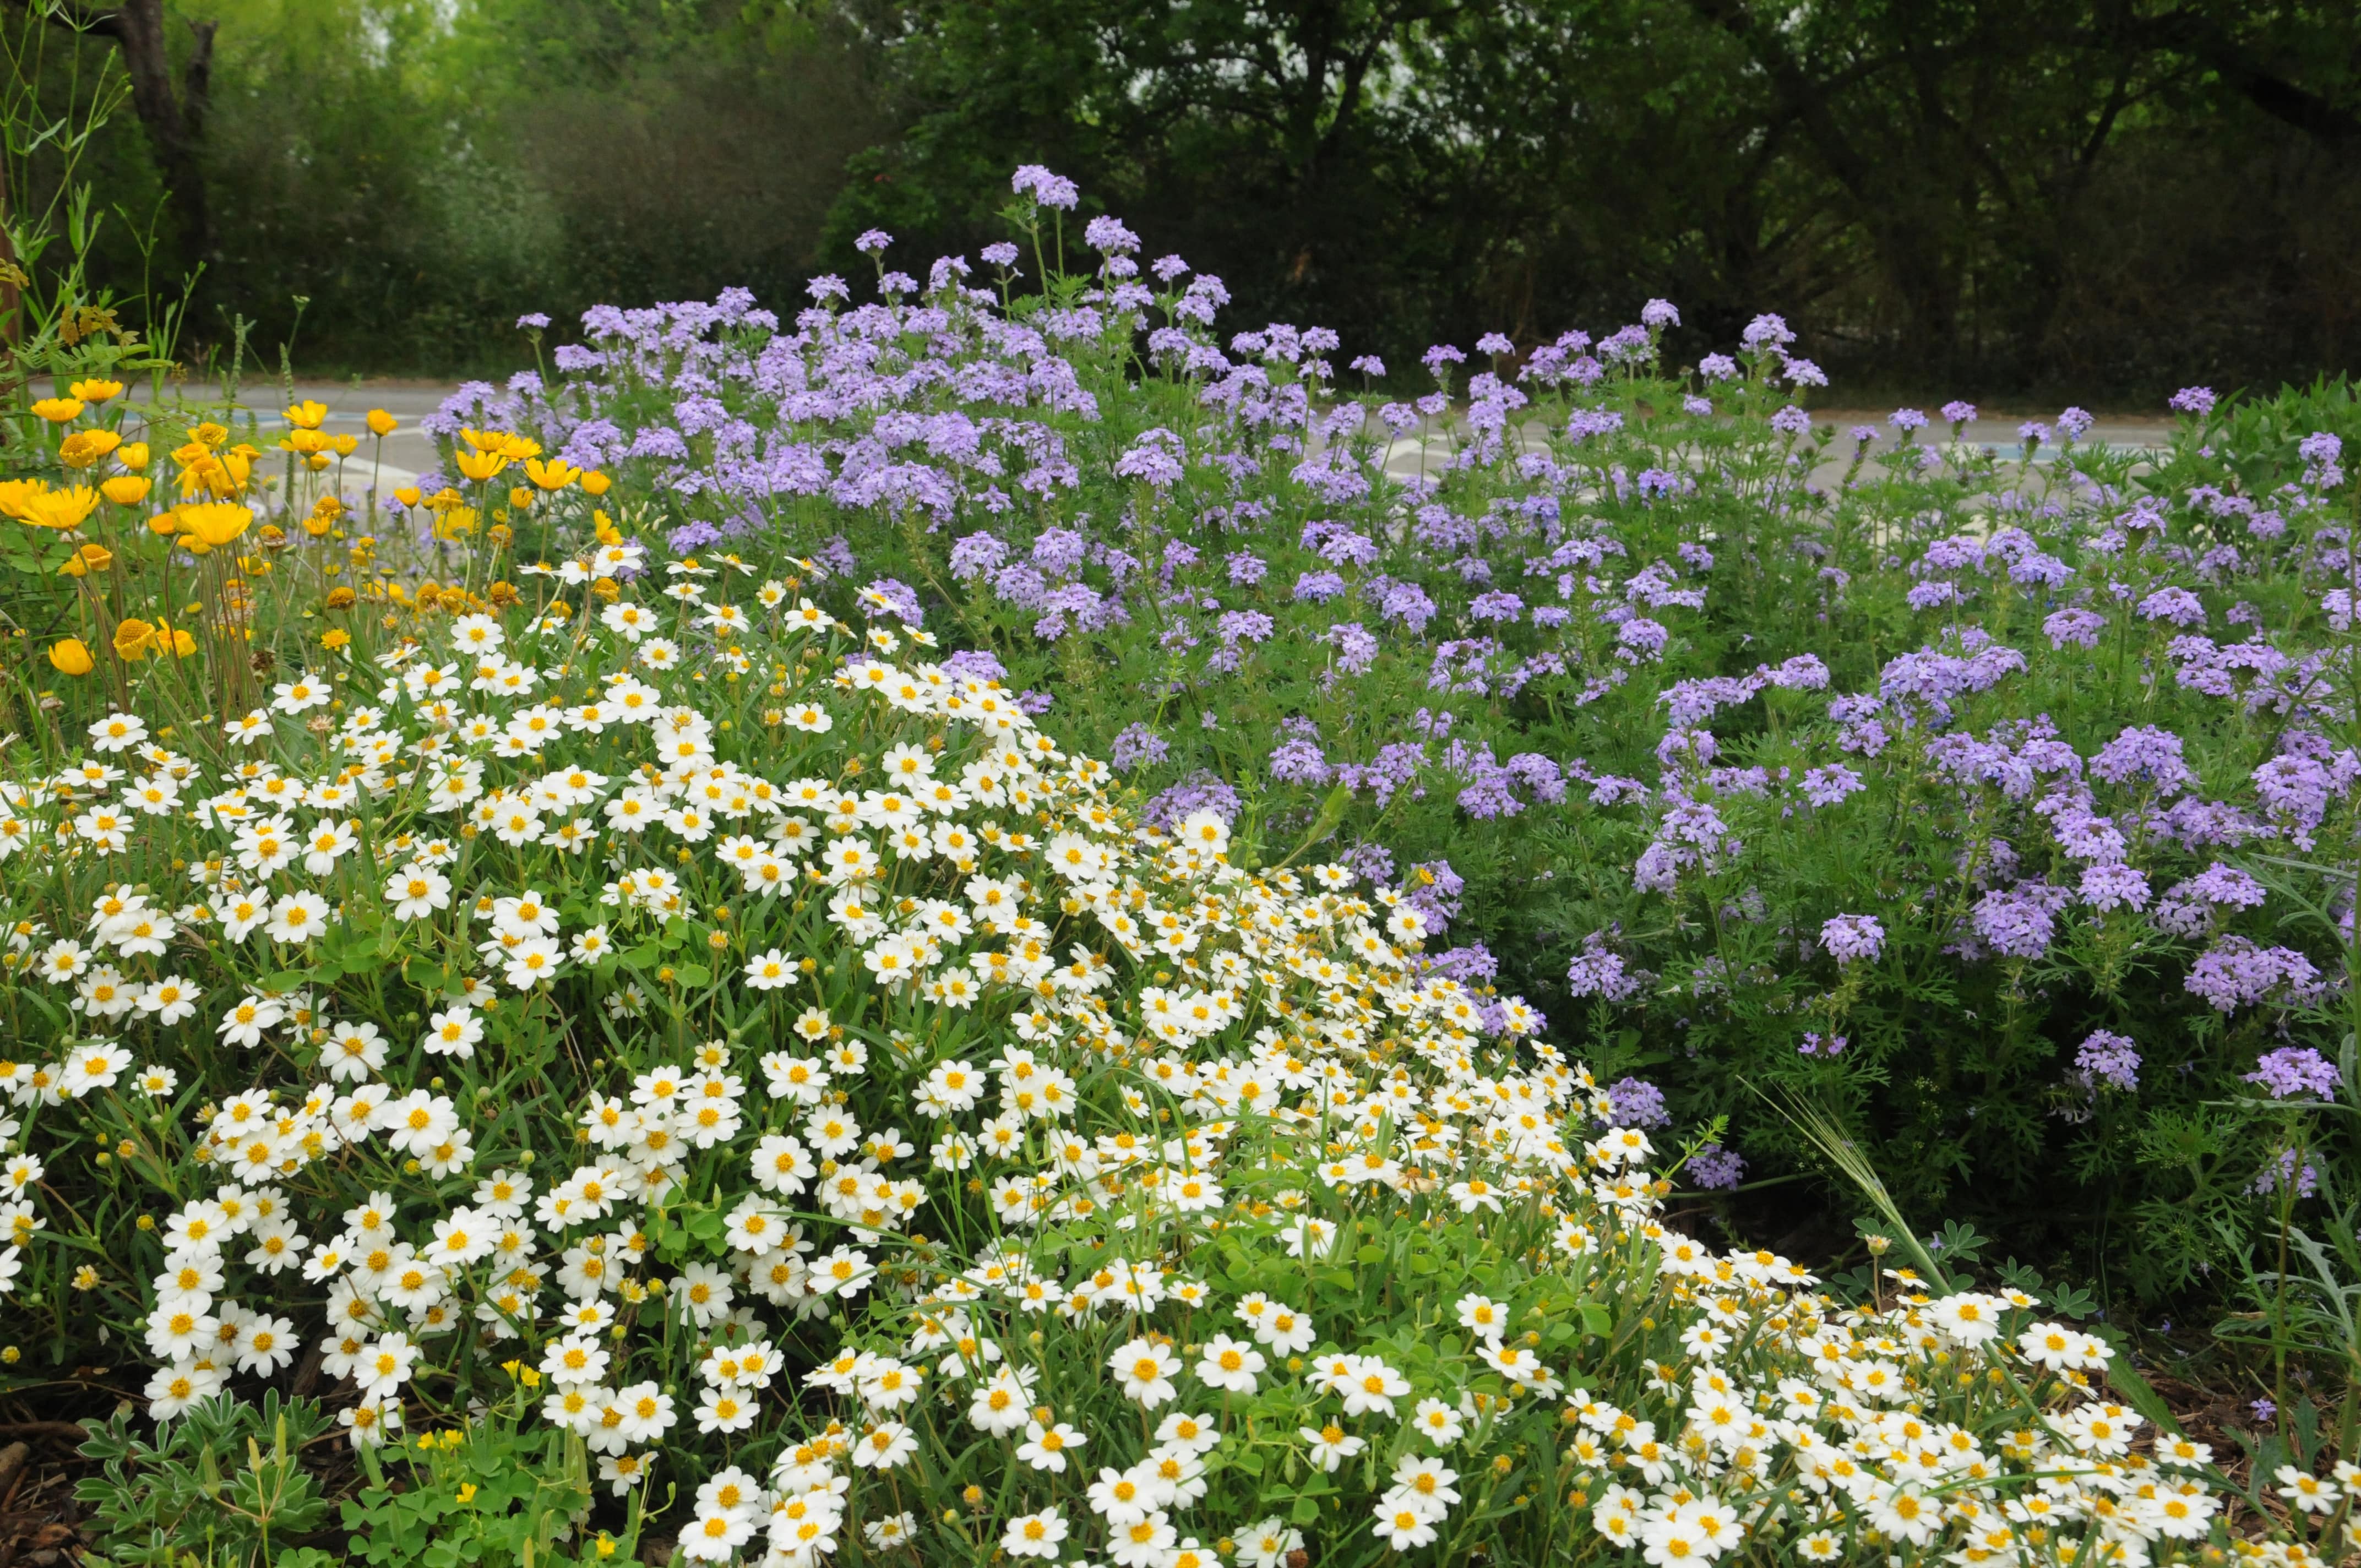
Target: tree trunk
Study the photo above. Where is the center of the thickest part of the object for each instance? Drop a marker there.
(174, 121)
(173, 118)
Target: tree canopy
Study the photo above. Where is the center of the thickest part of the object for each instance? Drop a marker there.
(2102, 195)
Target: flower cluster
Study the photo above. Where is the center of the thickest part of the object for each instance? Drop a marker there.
(788, 1065)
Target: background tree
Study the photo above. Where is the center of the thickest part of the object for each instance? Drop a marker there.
(2099, 198)
(171, 105)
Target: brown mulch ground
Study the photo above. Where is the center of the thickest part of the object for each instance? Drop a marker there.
(38, 1514)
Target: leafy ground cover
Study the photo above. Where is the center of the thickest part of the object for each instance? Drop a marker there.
(967, 929)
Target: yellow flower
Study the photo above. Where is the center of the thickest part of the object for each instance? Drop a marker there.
(84, 447)
(307, 415)
(455, 523)
(132, 636)
(595, 483)
(381, 422)
(520, 498)
(97, 389)
(212, 525)
(516, 448)
(335, 636)
(15, 493)
(132, 454)
(207, 435)
(221, 474)
(182, 643)
(304, 441)
(554, 474)
(70, 657)
(60, 509)
(482, 466)
(57, 410)
(346, 445)
(88, 559)
(409, 494)
(125, 489)
(163, 524)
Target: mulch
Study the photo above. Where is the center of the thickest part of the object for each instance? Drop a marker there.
(38, 1518)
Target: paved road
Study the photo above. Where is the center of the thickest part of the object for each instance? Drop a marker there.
(408, 453)
(1428, 450)
(403, 455)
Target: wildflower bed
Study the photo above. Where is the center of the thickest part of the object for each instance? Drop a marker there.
(1994, 800)
(1236, 1225)
(642, 1057)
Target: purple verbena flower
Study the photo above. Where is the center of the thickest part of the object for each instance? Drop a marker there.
(1635, 1103)
(1599, 971)
(1714, 1169)
(2293, 1071)
(2109, 1059)
(1139, 746)
(1853, 937)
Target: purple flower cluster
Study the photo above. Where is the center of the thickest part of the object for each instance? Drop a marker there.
(1691, 836)
(2293, 1071)
(1714, 1168)
(2018, 922)
(1634, 1102)
(1199, 791)
(2236, 972)
(1851, 938)
(1139, 746)
(2109, 1059)
(1599, 971)
(2280, 1173)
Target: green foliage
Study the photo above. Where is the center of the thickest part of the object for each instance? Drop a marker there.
(226, 1484)
(237, 1485)
(490, 1495)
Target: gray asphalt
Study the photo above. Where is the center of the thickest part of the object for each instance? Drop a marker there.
(408, 453)
(385, 467)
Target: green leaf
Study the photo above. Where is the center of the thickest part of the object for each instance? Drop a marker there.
(2137, 1392)
(1305, 1511)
